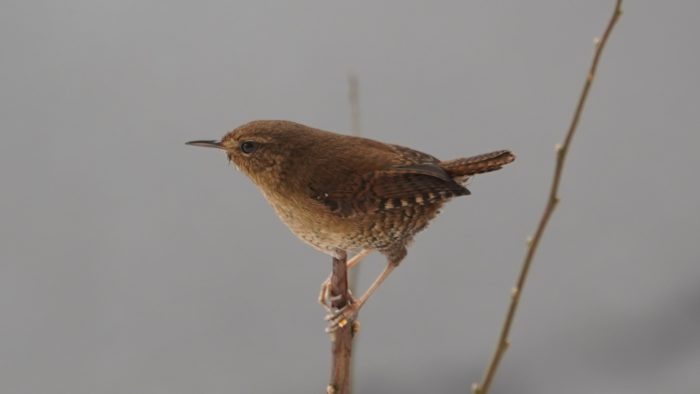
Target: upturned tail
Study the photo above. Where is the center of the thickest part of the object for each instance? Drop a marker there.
(487, 162)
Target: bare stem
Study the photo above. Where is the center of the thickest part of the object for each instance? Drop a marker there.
(553, 199)
(354, 100)
(341, 339)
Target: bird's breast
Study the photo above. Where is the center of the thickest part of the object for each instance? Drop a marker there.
(311, 222)
(314, 224)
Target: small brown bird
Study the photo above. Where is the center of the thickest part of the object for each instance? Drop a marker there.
(341, 193)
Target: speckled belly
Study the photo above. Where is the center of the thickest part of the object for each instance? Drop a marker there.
(327, 232)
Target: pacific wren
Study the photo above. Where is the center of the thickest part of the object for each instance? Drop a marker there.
(341, 193)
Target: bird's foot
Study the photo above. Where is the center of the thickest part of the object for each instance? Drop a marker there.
(324, 295)
(325, 298)
(343, 316)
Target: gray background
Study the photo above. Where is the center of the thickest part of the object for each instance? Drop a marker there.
(130, 263)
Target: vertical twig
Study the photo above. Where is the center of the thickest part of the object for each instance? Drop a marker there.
(341, 339)
(354, 100)
(553, 199)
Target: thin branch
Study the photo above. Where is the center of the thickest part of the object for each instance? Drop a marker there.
(340, 285)
(553, 199)
(341, 339)
(354, 100)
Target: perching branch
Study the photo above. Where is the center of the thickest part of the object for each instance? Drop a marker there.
(553, 199)
(341, 339)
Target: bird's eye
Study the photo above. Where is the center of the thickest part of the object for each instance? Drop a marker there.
(248, 147)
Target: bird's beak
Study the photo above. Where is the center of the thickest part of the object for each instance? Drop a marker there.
(207, 144)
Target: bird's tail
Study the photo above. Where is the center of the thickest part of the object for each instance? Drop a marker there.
(487, 162)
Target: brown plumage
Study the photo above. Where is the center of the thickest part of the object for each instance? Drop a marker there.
(342, 193)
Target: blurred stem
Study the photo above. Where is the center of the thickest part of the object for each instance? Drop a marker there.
(354, 99)
(341, 284)
(561, 151)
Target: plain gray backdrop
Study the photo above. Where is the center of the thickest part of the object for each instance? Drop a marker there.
(131, 263)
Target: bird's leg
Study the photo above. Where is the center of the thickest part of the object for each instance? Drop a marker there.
(340, 317)
(358, 257)
(324, 295)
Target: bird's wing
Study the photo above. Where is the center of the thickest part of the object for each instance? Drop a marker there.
(390, 188)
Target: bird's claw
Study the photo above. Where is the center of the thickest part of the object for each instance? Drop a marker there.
(326, 299)
(343, 316)
(324, 295)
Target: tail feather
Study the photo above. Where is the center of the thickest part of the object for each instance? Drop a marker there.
(477, 164)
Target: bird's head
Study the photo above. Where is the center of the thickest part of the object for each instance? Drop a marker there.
(261, 149)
